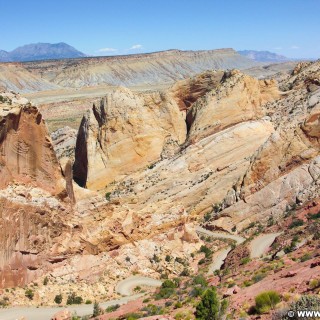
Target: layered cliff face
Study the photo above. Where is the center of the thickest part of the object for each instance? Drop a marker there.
(285, 170)
(27, 155)
(33, 196)
(123, 133)
(130, 131)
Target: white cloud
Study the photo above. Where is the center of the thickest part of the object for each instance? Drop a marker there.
(107, 50)
(294, 47)
(136, 47)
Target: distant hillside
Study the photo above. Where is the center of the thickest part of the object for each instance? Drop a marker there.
(263, 56)
(139, 69)
(40, 51)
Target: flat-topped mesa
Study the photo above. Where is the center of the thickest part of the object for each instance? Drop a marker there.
(26, 153)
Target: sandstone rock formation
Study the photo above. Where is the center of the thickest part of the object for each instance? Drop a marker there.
(147, 127)
(123, 133)
(32, 191)
(27, 155)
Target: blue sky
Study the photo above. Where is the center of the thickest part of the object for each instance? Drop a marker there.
(108, 27)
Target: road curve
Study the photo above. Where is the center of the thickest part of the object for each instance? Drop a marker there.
(126, 286)
(259, 245)
(46, 313)
(218, 260)
(209, 233)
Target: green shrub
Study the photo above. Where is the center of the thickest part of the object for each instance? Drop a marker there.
(296, 223)
(210, 307)
(58, 298)
(96, 309)
(258, 277)
(108, 194)
(88, 301)
(202, 261)
(200, 279)
(307, 302)
(185, 272)
(45, 281)
(206, 251)
(245, 260)
(305, 257)
(29, 294)
(152, 310)
(73, 299)
(314, 216)
(113, 308)
(266, 301)
(168, 284)
(168, 258)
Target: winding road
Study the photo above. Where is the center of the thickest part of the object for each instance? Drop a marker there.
(222, 235)
(46, 313)
(258, 246)
(125, 287)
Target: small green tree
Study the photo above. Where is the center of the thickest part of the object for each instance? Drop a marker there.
(209, 307)
(96, 309)
(45, 281)
(58, 298)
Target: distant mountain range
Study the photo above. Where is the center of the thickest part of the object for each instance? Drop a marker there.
(263, 56)
(46, 51)
(41, 51)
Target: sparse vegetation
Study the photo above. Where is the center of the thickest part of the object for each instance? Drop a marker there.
(29, 294)
(296, 223)
(266, 301)
(73, 299)
(45, 281)
(108, 194)
(58, 298)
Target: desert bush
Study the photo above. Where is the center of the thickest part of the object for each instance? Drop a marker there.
(152, 310)
(58, 298)
(258, 277)
(245, 260)
(305, 257)
(296, 223)
(45, 281)
(314, 283)
(29, 294)
(207, 251)
(266, 301)
(307, 302)
(200, 279)
(108, 194)
(73, 299)
(96, 309)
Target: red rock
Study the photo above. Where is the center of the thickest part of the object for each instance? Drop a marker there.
(62, 315)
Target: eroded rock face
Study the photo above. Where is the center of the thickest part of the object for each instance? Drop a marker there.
(236, 98)
(33, 195)
(26, 152)
(128, 131)
(283, 171)
(123, 133)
